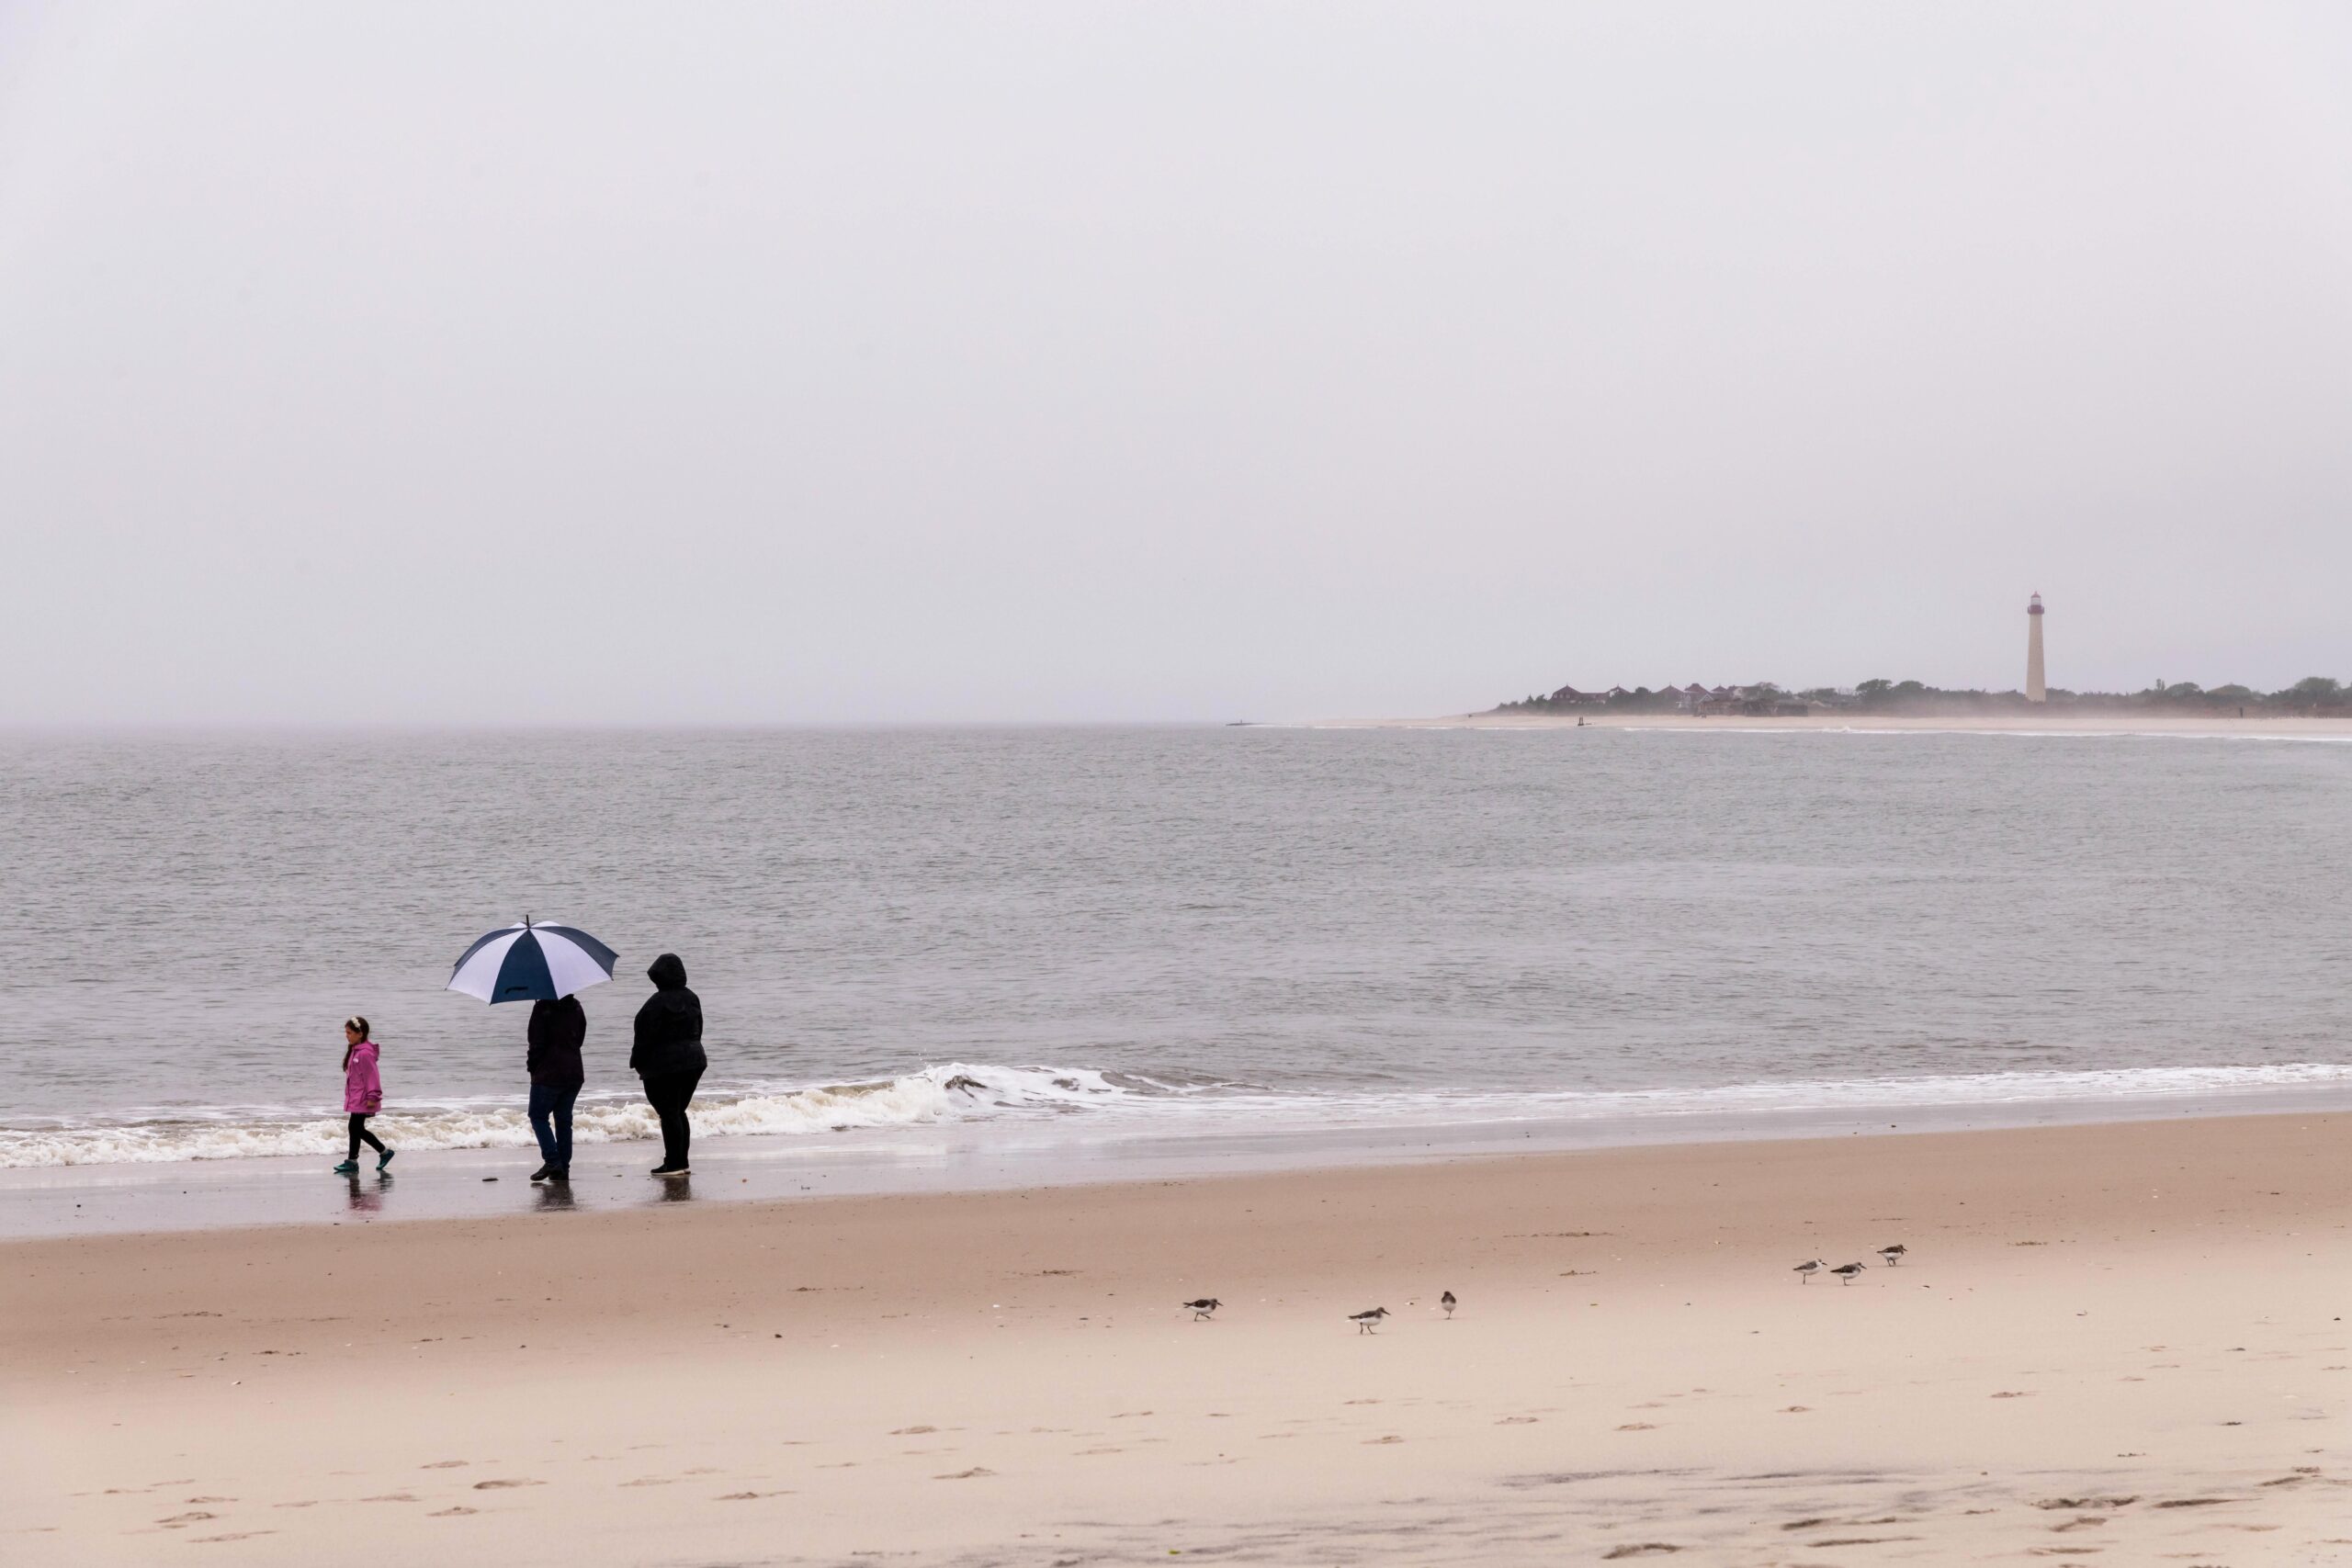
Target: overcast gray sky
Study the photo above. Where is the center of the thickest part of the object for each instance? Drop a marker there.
(571, 362)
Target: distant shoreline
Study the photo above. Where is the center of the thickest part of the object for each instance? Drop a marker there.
(2276, 728)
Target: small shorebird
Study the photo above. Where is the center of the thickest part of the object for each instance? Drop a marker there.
(1894, 1255)
(1202, 1308)
(1364, 1321)
(1448, 1302)
(1845, 1272)
(1805, 1271)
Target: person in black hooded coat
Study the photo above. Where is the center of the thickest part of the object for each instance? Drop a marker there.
(668, 1055)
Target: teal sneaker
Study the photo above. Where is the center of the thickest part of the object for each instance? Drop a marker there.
(348, 1168)
(387, 1158)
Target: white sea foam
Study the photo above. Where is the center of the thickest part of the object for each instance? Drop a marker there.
(963, 1093)
(953, 1092)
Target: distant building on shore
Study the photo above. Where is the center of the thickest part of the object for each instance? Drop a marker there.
(2036, 689)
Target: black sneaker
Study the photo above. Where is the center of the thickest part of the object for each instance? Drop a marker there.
(560, 1173)
(543, 1173)
(670, 1170)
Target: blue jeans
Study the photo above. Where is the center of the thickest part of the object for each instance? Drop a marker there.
(551, 1103)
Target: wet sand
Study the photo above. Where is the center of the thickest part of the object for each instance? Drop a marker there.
(2121, 1341)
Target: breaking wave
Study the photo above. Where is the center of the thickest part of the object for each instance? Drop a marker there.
(953, 1092)
(958, 1092)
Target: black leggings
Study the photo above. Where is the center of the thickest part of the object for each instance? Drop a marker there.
(360, 1134)
(670, 1093)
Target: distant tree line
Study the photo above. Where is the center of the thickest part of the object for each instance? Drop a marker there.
(2315, 694)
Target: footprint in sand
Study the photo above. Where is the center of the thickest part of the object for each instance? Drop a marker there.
(2302, 1472)
(911, 1432)
(502, 1485)
(972, 1474)
(1392, 1437)
(748, 1496)
(1516, 1421)
(390, 1497)
(652, 1480)
(446, 1464)
(1639, 1549)
(179, 1521)
(450, 1513)
(234, 1535)
(1640, 1426)
(199, 1501)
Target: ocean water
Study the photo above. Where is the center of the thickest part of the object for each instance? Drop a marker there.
(1182, 927)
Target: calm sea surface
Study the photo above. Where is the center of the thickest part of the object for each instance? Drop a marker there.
(1203, 923)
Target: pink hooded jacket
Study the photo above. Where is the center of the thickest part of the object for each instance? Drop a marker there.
(363, 1090)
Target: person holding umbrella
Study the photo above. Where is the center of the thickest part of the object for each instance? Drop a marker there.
(544, 965)
(668, 1056)
(558, 1029)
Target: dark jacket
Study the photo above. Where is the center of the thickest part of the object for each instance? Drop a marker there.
(557, 1030)
(669, 1026)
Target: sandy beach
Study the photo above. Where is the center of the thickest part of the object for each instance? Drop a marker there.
(2121, 1341)
(2056, 722)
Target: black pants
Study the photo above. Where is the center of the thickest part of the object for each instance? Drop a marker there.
(360, 1134)
(551, 1122)
(669, 1094)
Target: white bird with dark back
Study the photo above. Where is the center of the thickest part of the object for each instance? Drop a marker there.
(1448, 1302)
(1202, 1308)
(1805, 1271)
(1894, 1255)
(1845, 1272)
(1366, 1321)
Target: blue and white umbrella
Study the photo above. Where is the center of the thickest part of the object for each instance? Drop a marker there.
(532, 962)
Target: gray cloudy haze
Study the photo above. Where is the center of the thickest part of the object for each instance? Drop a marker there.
(572, 363)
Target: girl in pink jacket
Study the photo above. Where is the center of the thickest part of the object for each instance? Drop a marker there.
(362, 1095)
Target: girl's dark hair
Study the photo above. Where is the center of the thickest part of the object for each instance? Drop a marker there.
(358, 1026)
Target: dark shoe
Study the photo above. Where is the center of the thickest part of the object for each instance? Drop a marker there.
(560, 1173)
(348, 1168)
(385, 1159)
(543, 1173)
(669, 1170)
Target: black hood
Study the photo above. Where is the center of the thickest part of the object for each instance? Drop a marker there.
(668, 974)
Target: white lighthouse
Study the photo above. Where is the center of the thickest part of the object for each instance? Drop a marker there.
(2036, 690)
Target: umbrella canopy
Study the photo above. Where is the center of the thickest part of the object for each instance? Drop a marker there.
(532, 962)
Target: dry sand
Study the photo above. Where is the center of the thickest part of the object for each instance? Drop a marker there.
(2057, 721)
(2121, 1342)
